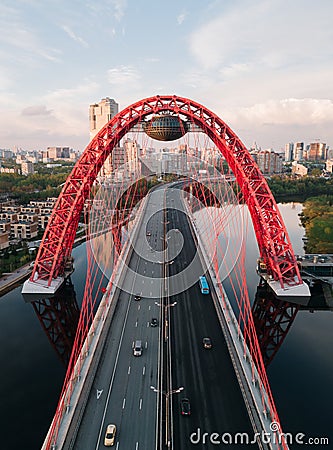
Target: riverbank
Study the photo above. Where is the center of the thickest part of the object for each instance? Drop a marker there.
(9, 281)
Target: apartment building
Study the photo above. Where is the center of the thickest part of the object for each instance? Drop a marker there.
(24, 230)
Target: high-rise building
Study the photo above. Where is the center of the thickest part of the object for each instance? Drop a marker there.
(298, 151)
(132, 157)
(100, 114)
(317, 151)
(289, 152)
(54, 153)
(27, 168)
(268, 161)
(6, 153)
(329, 153)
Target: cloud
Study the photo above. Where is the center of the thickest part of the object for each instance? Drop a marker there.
(289, 111)
(266, 32)
(181, 17)
(15, 35)
(123, 75)
(36, 110)
(60, 118)
(119, 8)
(235, 70)
(73, 36)
(107, 8)
(58, 128)
(196, 78)
(64, 95)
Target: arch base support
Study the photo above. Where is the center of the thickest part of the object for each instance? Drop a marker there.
(299, 294)
(42, 286)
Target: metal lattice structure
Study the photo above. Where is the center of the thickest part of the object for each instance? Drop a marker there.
(273, 319)
(273, 241)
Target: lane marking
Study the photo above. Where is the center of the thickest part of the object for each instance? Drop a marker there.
(140, 406)
(144, 370)
(146, 344)
(136, 323)
(149, 306)
(137, 446)
(98, 393)
(147, 324)
(139, 306)
(112, 377)
(117, 446)
(124, 401)
(129, 370)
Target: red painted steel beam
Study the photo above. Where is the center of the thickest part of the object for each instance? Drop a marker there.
(274, 243)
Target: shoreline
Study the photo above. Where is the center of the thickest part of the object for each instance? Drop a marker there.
(10, 280)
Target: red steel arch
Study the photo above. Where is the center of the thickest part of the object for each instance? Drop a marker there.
(274, 244)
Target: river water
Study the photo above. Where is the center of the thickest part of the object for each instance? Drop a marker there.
(32, 370)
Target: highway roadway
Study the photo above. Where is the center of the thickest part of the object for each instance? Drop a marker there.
(122, 389)
(121, 392)
(207, 375)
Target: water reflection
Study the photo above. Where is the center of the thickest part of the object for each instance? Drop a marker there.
(58, 316)
(274, 317)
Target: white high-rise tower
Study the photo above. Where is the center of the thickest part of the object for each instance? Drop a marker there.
(100, 114)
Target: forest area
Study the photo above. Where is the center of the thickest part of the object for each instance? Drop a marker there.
(317, 219)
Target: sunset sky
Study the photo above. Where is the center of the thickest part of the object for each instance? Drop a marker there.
(264, 66)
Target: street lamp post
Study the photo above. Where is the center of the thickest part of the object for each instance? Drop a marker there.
(166, 317)
(167, 396)
(165, 387)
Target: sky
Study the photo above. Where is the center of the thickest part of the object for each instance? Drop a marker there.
(264, 66)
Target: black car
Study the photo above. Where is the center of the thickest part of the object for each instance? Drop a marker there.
(185, 407)
(154, 322)
(207, 343)
(137, 297)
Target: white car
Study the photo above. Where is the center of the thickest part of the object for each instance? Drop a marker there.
(110, 435)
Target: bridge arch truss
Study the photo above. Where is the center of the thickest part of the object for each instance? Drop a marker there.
(273, 241)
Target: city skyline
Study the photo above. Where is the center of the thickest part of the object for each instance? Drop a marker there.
(263, 66)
